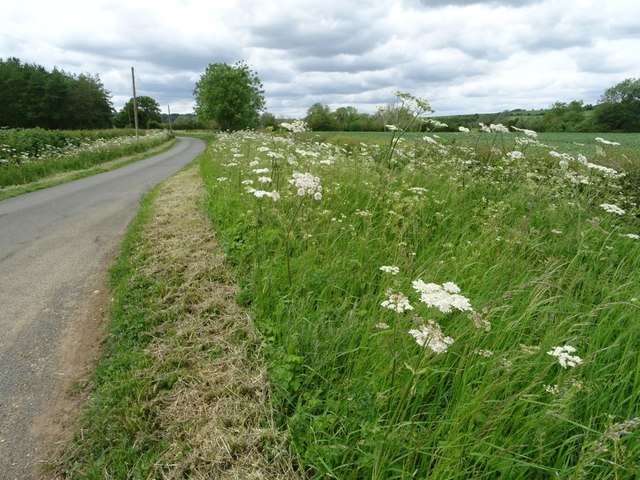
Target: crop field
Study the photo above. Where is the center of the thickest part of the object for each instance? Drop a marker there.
(441, 309)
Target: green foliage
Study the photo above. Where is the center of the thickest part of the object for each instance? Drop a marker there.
(232, 96)
(148, 114)
(564, 117)
(28, 155)
(527, 242)
(318, 118)
(619, 108)
(30, 96)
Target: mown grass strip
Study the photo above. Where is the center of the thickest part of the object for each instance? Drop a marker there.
(180, 391)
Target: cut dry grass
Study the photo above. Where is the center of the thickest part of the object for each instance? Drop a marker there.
(182, 390)
(216, 417)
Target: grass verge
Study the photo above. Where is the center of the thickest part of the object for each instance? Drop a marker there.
(445, 312)
(180, 391)
(76, 174)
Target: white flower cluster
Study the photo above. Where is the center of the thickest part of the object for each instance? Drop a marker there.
(563, 354)
(390, 269)
(528, 133)
(431, 335)
(606, 142)
(463, 129)
(307, 185)
(445, 297)
(274, 195)
(607, 207)
(494, 127)
(297, 126)
(397, 302)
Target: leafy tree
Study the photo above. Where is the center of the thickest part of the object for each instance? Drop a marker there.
(232, 96)
(148, 113)
(344, 118)
(30, 96)
(619, 107)
(268, 120)
(564, 117)
(318, 118)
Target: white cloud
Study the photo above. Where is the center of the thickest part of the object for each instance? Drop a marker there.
(464, 56)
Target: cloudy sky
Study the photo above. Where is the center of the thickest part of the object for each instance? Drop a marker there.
(463, 56)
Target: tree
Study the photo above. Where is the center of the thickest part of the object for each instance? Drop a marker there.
(232, 96)
(564, 117)
(148, 113)
(345, 118)
(318, 118)
(30, 96)
(619, 107)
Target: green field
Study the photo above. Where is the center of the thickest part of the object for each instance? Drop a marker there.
(564, 142)
(519, 358)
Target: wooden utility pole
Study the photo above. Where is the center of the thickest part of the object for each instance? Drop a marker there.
(135, 106)
(169, 109)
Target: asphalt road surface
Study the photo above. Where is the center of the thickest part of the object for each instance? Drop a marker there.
(55, 247)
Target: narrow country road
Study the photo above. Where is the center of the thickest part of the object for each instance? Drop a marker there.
(55, 247)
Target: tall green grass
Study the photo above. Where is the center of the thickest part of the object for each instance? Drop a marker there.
(542, 264)
(30, 155)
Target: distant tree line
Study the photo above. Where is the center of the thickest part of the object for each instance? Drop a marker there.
(617, 111)
(31, 96)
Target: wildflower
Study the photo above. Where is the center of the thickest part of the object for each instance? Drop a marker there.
(260, 171)
(632, 236)
(612, 208)
(363, 213)
(397, 302)
(606, 142)
(430, 140)
(265, 180)
(444, 298)
(436, 123)
(498, 127)
(563, 354)
(247, 182)
(392, 128)
(463, 129)
(222, 179)
(528, 133)
(390, 269)
(274, 195)
(556, 231)
(484, 353)
(552, 389)
(431, 335)
(307, 185)
(297, 126)
(516, 155)
(382, 326)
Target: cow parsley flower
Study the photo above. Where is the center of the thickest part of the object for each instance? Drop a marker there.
(265, 179)
(397, 302)
(612, 208)
(632, 236)
(606, 142)
(516, 155)
(390, 269)
(463, 129)
(307, 185)
(444, 297)
(431, 335)
(563, 354)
